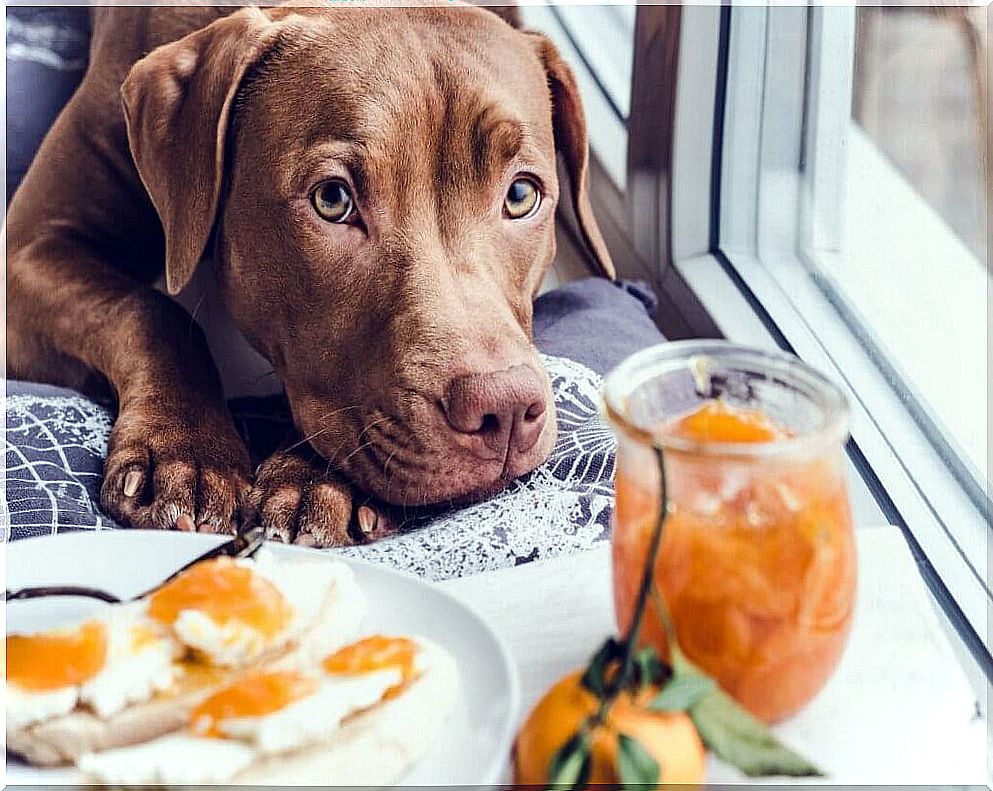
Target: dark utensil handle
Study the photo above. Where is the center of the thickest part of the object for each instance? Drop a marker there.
(244, 545)
(43, 591)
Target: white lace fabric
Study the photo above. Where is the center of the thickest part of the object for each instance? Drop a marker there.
(55, 446)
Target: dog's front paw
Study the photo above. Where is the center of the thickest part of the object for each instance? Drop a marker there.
(175, 467)
(299, 500)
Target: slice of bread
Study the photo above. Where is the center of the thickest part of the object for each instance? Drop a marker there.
(62, 740)
(375, 747)
(372, 747)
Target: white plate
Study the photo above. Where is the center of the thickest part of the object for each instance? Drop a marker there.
(472, 749)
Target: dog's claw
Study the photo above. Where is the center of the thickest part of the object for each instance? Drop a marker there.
(132, 483)
(367, 519)
(174, 478)
(185, 524)
(299, 502)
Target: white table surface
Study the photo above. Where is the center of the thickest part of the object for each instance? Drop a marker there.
(899, 709)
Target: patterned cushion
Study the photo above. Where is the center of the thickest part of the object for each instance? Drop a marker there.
(55, 444)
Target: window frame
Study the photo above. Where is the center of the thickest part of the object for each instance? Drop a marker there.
(714, 244)
(606, 122)
(632, 208)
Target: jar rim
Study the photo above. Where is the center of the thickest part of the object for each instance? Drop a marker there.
(641, 367)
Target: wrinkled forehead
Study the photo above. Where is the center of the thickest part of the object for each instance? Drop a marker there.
(388, 82)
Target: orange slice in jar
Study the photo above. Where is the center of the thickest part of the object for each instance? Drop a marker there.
(716, 421)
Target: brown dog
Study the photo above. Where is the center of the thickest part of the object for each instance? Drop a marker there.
(376, 188)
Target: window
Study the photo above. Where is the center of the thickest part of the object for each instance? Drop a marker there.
(846, 194)
(919, 94)
(814, 178)
(598, 43)
(628, 107)
(911, 257)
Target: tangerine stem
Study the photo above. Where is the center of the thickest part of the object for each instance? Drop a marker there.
(648, 575)
(647, 581)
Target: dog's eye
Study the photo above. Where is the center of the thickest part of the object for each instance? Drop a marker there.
(523, 199)
(333, 201)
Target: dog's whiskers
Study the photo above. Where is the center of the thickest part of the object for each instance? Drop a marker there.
(386, 468)
(371, 441)
(308, 438)
(324, 430)
(360, 448)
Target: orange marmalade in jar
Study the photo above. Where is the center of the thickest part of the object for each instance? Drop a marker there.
(756, 564)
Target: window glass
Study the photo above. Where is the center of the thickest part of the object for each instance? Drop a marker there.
(898, 232)
(604, 35)
(920, 96)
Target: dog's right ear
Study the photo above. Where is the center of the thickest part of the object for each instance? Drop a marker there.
(177, 103)
(571, 141)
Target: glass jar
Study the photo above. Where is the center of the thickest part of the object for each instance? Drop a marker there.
(756, 564)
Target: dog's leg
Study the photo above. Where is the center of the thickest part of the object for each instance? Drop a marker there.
(299, 499)
(175, 459)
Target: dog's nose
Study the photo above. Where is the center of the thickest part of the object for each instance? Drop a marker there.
(505, 408)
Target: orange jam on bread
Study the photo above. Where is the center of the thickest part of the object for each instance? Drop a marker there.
(57, 659)
(757, 562)
(376, 653)
(224, 591)
(253, 695)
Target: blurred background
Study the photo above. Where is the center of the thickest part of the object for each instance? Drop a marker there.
(922, 96)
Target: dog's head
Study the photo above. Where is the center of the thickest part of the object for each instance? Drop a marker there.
(380, 188)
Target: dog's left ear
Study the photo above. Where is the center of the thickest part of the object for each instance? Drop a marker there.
(177, 102)
(571, 141)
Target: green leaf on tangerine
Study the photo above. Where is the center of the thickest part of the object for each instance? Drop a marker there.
(570, 766)
(741, 740)
(636, 767)
(683, 692)
(595, 677)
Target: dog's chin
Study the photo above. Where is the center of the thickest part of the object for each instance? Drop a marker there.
(455, 479)
(449, 492)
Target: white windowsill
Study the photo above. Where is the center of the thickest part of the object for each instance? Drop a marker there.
(896, 711)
